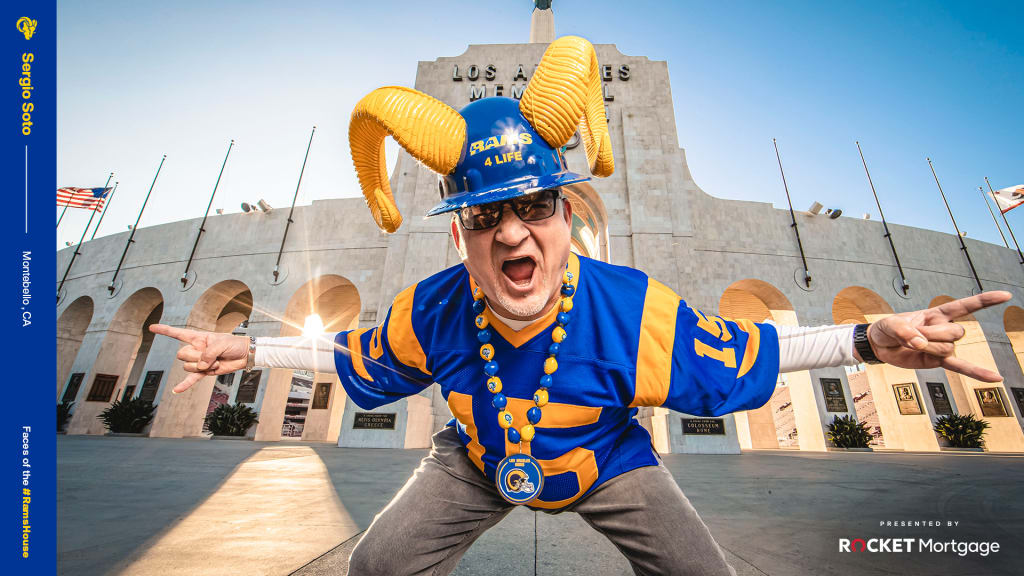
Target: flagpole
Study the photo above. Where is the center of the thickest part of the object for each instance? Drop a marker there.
(66, 205)
(104, 213)
(75, 253)
(1005, 221)
(885, 225)
(993, 214)
(202, 225)
(959, 236)
(807, 273)
(131, 237)
(280, 251)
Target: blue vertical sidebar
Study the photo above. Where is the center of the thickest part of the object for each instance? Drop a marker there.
(27, 314)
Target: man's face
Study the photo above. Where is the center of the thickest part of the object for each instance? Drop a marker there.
(518, 264)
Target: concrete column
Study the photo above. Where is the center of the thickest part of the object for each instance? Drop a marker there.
(808, 412)
(902, 431)
(542, 26)
(322, 425)
(275, 398)
(116, 357)
(1004, 434)
(68, 345)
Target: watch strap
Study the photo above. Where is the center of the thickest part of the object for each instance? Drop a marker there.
(250, 359)
(863, 346)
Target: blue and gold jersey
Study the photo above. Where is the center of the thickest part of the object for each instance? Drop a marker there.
(632, 342)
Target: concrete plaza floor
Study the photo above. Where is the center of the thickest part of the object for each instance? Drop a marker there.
(161, 507)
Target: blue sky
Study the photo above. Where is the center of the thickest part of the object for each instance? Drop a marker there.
(908, 79)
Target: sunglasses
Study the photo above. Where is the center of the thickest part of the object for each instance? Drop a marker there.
(529, 208)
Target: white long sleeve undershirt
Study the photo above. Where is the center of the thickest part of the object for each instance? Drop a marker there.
(800, 348)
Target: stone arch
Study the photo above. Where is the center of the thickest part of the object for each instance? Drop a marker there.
(123, 347)
(71, 327)
(1013, 323)
(1005, 432)
(336, 300)
(223, 307)
(589, 221)
(859, 305)
(790, 419)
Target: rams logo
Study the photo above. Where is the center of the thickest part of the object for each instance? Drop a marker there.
(518, 481)
(498, 141)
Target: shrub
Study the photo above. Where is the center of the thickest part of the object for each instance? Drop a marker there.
(63, 414)
(962, 430)
(230, 420)
(847, 432)
(127, 415)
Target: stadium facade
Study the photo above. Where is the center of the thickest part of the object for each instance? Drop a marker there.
(733, 258)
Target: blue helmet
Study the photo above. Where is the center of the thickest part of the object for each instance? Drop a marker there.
(494, 148)
(504, 157)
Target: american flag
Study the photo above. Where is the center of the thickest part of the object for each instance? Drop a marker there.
(88, 198)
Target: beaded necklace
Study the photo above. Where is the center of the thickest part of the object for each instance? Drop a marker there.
(519, 476)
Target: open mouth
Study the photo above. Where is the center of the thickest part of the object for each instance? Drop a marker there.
(519, 270)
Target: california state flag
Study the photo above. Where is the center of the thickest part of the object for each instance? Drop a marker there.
(1009, 198)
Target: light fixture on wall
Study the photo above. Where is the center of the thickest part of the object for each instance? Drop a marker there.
(833, 213)
(815, 209)
(246, 207)
(219, 210)
(264, 206)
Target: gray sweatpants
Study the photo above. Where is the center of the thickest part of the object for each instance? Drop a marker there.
(447, 504)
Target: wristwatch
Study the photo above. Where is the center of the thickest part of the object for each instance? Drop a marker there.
(250, 359)
(863, 346)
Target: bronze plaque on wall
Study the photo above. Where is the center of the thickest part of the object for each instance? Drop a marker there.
(835, 400)
(150, 385)
(374, 421)
(991, 401)
(940, 400)
(321, 396)
(906, 399)
(704, 426)
(102, 388)
(71, 390)
(248, 386)
(1018, 395)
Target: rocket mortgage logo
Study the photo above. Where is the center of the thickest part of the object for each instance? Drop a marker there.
(909, 545)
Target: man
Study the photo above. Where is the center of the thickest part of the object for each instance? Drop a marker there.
(544, 356)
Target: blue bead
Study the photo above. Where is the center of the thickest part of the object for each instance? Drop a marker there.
(499, 401)
(533, 415)
(545, 381)
(553, 349)
(491, 368)
(563, 318)
(484, 336)
(513, 436)
(568, 289)
(478, 306)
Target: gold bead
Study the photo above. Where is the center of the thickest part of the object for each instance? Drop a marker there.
(550, 365)
(494, 384)
(478, 293)
(487, 352)
(526, 434)
(481, 321)
(505, 419)
(540, 397)
(566, 304)
(567, 277)
(558, 334)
